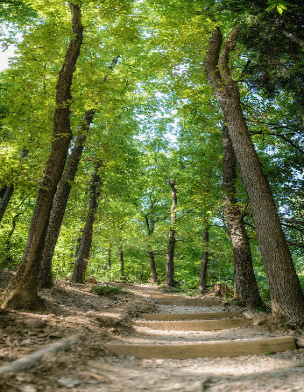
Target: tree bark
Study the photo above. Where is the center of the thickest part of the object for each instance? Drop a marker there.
(152, 267)
(150, 226)
(83, 253)
(286, 294)
(109, 257)
(59, 205)
(22, 291)
(121, 263)
(204, 262)
(172, 240)
(245, 284)
(6, 193)
(293, 38)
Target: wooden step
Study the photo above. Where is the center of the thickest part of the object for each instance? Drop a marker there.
(193, 325)
(186, 301)
(208, 349)
(190, 316)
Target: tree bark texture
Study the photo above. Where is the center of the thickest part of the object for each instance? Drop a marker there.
(286, 294)
(83, 254)
(6, 193)
(152, 267)
(22, 291)
(121, 263)
(172, 239)
(293, 38)
(204, 262)
(150, 226)
(60, 203)
(245, 283)
(109, 258)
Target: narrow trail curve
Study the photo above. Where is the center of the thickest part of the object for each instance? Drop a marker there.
(188, 347)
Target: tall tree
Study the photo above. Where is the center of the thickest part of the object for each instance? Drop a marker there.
(245, 284)
(59, 205)
(172, 239)
(286, 294)
(83, 253)
(6, 193)
(22, 291)
(150, 223)
(204, 262)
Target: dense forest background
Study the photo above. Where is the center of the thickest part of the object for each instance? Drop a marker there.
(144, 128)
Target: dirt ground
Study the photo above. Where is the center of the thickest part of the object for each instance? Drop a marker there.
(72, 309)
(75, 309)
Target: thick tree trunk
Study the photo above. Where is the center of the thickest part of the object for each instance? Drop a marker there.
(204, 262)
(285, 290)
(6, 193)
(22, 291)
(246, 288)
(152, 267)
(172, 240)
(83, 254)
(59, 205)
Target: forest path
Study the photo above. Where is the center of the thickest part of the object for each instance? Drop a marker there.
(197, 345)
(88, 366)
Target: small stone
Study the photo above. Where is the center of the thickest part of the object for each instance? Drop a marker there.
(35, 323)
(56, 335)
(68, 382)
(249, 315)
(27, 388)
(259, 321)
(26, 342)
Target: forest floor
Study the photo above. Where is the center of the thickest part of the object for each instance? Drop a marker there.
(74, 309)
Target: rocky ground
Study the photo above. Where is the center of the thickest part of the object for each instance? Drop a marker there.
(96, 320)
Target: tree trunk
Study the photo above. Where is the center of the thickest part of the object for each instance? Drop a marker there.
(204, 262)
(83, 254)
(150, 226)
(172, 240)
(152, 267)
(6, 193)
(246, 288)
(59, 205)
(22, 291)
(121, 263)
(109, 257)
(285, 290)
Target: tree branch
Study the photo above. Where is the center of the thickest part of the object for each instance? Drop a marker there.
(281, 136)
(224, 57)
(293, 38)
(211, 61)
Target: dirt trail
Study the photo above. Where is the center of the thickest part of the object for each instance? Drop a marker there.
(89, 367)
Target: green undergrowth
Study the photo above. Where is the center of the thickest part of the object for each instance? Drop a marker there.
(107, 291)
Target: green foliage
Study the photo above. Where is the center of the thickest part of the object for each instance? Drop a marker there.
(107, 291)
(280, 5)
(156, 119)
